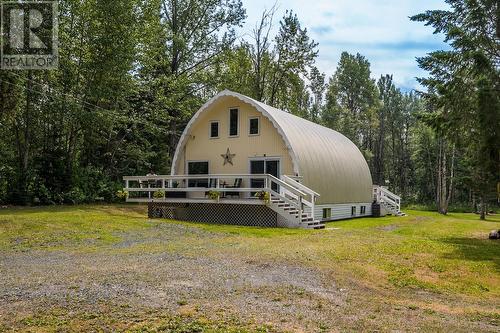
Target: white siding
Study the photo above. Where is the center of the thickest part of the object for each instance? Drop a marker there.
(341, 211)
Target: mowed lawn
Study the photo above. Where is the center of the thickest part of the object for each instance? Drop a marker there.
(110, 268)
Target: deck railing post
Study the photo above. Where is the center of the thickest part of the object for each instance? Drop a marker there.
(313, 204)
(300, 208)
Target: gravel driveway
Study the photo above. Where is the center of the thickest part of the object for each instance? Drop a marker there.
(250, 289)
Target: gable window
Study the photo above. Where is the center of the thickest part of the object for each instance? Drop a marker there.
(353, 210)
(327, 213)
(233, 122)
(254, 126)
(214, 129)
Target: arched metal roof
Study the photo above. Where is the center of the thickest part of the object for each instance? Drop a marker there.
(328, 162)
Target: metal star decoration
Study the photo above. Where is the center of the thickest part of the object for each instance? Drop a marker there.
(228, 157)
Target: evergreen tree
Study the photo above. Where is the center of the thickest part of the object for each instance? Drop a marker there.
(464, 83)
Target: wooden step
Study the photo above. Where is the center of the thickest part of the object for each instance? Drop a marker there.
(316, 225)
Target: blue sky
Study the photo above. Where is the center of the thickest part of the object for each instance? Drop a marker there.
(378, 29)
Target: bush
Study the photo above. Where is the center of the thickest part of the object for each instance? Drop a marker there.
(159, 194)
(264, 196)
(122, 195)
(75, 196)
(214, 195)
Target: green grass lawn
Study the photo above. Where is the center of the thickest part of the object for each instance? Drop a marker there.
(438, 265)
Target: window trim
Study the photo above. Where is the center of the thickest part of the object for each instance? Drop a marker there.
(249, 125)
(197, 180)
(327, 213)
(196, 161)
(237, 124)
(210, 129)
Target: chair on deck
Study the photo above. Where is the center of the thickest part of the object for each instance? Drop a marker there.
(237, 184)
(211, 184)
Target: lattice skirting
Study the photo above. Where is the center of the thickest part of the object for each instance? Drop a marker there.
(234, 214)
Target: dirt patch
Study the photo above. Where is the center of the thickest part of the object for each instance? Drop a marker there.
(167, 281)
(390, 227)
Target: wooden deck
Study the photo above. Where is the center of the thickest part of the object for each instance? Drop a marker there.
(201, 200)
(291, 200)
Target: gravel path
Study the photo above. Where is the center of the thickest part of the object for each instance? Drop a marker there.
(249, 288)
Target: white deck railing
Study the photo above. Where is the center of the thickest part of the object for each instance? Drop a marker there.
(189, 188)
(382, 195)
(312, 195)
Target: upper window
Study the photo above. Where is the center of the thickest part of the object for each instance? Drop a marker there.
(233, 122)
(214, 129)
(254, 126)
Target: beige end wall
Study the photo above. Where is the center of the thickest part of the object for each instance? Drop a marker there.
(200, 147)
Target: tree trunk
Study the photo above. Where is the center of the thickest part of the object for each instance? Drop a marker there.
(452, 173)
(442, 179)
(483, 208)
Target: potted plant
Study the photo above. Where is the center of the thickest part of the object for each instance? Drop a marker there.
(264, 196)
(214, 195)
(159, 194)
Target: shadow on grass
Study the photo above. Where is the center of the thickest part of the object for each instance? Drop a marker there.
(474, 249)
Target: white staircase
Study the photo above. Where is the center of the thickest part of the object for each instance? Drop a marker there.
(388, 200)
(290, 202)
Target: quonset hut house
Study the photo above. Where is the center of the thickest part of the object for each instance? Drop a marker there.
(240, 161)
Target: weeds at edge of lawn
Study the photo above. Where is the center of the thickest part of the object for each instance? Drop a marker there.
(112, 318)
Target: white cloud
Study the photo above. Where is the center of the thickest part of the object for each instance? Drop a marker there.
(378, 29)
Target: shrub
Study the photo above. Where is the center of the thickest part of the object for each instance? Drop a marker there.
(159, 194)
(264, 196)
(122, 195)
(75, 196)
(214, 195)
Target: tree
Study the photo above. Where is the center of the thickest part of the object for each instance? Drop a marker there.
(294, 54)
(183, 41)
(317, 86)
(274, 73)
(464, 83)
(352, 101)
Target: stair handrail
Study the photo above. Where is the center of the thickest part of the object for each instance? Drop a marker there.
(384, 195)
(313, 194)
(300, 186)
(298, 192)
(286, 185)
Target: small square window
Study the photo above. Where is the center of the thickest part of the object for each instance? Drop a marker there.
(254, 126)
(214, 129)
(353, 211)
(327, 213)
